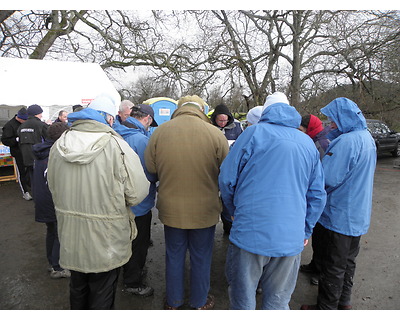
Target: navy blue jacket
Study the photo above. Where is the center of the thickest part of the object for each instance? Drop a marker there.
(44, 206)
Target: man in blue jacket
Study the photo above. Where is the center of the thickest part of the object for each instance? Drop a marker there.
(349, 166)
(272, 183)
(135, 131)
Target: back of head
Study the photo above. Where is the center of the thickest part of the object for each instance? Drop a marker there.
(22, 114)
(192, 101)
(56, 129)
(276, 97)
(34, 110)
(254, 115)
(104, 103)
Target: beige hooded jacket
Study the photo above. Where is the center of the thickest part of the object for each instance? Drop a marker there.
(186, 153)
(94, 177)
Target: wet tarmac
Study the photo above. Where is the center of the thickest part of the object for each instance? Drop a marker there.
(25, 283)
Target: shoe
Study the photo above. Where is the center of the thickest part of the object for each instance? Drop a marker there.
(209, 304)
(143, 290)
(308, 268)
(314, 280)
(167, 307)
(60, 274)
(27, 196)
(348, 307)
(309, 307)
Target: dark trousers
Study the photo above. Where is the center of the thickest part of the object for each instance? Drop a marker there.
(53, 246)
(317, 247)
(23, 179)
(133, 269)
(93, 291)
(337, 269)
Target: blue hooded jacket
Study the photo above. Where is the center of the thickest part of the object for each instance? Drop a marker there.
(349, 165)
(272, 183)
(138, 140)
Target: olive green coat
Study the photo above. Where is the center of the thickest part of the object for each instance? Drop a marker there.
(186, 154)
(94, 177)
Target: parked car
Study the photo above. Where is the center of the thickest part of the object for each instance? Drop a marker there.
(386, 140)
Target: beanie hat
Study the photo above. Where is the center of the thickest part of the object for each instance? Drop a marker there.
(22, 114)
(194, 101)
(105, 104)
(314, 126)
(76, 108)
(254, 114)
(276, 97)
(34, 109)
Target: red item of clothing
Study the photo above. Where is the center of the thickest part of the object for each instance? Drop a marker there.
(314, 126)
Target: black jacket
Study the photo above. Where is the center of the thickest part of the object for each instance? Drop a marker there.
(32, 131)
(10, 135)
(44, 206)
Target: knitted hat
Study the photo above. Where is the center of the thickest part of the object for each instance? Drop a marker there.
(77, 108)
(34, 109)
(254, 115)
(105, 104)
(276, 97)
(22, 114)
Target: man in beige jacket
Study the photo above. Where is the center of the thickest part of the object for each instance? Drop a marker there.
(95, 177)
(186, 153)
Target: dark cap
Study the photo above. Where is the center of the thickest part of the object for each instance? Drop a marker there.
(34, 109)
(22, 114)
(145, 108)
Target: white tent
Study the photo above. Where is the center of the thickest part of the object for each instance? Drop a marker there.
(54, 85)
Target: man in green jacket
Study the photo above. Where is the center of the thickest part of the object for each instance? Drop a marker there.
(186, 153)
(95, 177)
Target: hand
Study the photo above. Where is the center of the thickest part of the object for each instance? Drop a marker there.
(305, 242)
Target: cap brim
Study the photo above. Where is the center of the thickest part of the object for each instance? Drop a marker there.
(154, 123)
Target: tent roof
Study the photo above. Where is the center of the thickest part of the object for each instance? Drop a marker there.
(52, 83)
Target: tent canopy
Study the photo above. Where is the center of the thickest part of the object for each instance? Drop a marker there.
(52, 84)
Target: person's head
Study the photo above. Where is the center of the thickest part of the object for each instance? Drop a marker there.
(311, 125)
(221, 116)
(125, 109)
(55, 130)
(62, 116)
(145, 114)
(77, 108)
(22, 115)
(105, 105)
(254, 115)
(192, 101)
(276, 97)
(35, 110)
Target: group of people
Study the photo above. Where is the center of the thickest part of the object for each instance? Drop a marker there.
(279, 179)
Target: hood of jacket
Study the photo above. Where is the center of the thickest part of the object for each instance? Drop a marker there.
(222, 109)
(281, 114)
(346, 114)
(85, 140)
(126, 132)
(190, 111)
(42, 150)
(86, 114)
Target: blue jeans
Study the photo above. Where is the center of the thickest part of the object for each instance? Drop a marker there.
(200, 244)
(277, 277)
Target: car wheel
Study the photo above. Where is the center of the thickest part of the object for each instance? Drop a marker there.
(396, 152)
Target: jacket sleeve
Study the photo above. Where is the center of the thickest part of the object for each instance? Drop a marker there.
(8, 137)
(150, 154)
(230, 171)
(136, 184)
(316, 198)
(338, 161)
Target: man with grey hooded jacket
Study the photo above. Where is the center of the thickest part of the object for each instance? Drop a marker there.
(95, 177)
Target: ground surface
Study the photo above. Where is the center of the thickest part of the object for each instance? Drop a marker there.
(25, 283)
